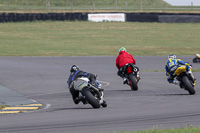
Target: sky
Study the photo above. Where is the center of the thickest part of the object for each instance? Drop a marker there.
(183, 2)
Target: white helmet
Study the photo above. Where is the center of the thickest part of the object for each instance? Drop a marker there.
(172, 56)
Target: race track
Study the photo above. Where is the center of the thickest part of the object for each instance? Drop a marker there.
(155, 104)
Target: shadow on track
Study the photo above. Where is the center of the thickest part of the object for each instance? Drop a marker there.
(172, 94)
(71, 108)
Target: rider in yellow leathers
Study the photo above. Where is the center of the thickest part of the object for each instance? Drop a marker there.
(172, 62)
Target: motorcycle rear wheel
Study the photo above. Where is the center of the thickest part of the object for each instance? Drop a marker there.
(188, 85)
(196, 60)
(90, 98)
(133, 82)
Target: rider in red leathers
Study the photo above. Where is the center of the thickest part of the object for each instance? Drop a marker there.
(122, 59)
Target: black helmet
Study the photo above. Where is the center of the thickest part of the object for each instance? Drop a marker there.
(74, 68)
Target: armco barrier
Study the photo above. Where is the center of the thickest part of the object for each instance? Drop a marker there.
(130, 17)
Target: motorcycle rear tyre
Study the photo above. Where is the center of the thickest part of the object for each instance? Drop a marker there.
(196, 60)
(188, 85)
(90, 98)
(133, 82)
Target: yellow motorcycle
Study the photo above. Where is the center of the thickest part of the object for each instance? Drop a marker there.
(197, 59)
(186, 80)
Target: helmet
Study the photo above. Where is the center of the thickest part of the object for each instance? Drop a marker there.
(172, 56)
(74, 68)
(122, 49)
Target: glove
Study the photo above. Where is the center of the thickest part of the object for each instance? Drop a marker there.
(95, 76)
(92, 83)
(167, 74)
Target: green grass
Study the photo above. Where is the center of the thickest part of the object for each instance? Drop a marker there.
(3, 106)
(91, 39)
(81, 3)
(193, 70)
(189, 129)
(92, 6)
(87, 5)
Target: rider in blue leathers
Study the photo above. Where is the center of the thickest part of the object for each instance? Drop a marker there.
(74, 74)
(172, 62)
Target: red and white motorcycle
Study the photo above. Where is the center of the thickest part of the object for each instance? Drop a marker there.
(131, 73)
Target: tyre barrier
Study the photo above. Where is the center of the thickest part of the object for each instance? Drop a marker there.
(130, 17)
(179, 18)
(141, 17)
(163, 17)
(20, 17)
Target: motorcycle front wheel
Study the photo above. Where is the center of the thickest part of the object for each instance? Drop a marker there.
(133, 82)
(188, 85)
(90, 98)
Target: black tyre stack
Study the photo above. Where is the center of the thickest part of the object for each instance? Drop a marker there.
(20, 17)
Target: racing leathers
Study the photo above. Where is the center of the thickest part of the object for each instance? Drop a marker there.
(122, 59)
(172, 63)
(73, 76)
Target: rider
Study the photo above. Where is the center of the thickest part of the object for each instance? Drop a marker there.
(171, 62)
(122, 59)
(198, 55)
(74, 74)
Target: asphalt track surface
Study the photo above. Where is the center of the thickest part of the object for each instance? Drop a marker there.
(156, 103)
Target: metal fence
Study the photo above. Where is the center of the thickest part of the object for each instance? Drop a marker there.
(59, 6)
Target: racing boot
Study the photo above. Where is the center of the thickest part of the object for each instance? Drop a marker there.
(104, 104)
(78, 99)
(170, 79)
(125, 81)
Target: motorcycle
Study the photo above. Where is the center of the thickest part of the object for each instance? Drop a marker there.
(197, 59)
(186, 80)
(131, 73)
(93, 95)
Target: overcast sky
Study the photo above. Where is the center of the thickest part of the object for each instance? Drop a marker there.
(183, 2)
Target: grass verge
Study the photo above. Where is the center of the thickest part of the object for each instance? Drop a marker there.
(193, 70)
(96, 39)
(3, 106)
(189, 129)
(93, 6)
